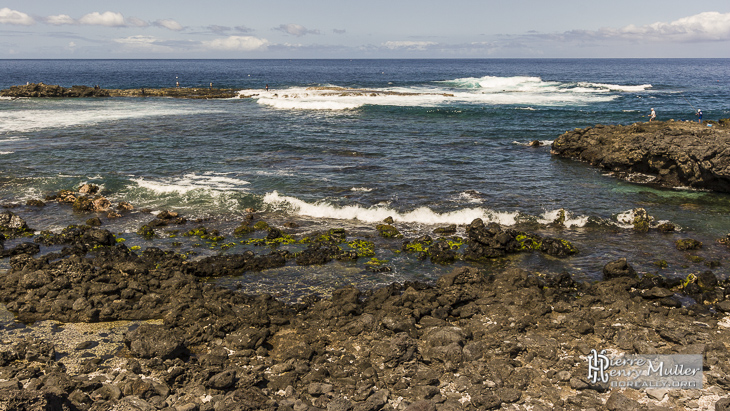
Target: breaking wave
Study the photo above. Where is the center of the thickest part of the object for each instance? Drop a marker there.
(488, 90)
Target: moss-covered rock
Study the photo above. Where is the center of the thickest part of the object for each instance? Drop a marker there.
(388, 231)
(146, 232)
(243, 229)
(687, 244)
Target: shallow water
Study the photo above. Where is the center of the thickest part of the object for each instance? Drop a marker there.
(449, 148)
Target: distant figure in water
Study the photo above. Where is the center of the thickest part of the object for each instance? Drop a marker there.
(699, 115)
(267, 87)
(652, 116)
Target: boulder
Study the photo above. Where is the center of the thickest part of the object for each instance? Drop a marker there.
(155, 341)
(618, 268)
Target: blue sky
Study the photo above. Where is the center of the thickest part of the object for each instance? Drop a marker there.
(371, 29)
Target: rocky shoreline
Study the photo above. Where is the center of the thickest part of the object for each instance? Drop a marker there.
(100, 326)
(55, 91)
(665, 153)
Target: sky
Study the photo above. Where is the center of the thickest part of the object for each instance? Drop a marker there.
(288, 29)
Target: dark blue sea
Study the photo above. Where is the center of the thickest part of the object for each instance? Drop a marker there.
(348, 143)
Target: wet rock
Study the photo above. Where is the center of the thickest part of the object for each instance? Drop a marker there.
(666, 227)
(88, 189)
(672, 153)
(687, 244)
(146, 232)
(318, 253)
(557, 247)
(441, 253)
(93, 222)
(388, 231)
(87, 204)
(641, 220)
(11, 224)
(46, 90)
(618, 268)
(447, 230)
(124, 206)
(707, 280)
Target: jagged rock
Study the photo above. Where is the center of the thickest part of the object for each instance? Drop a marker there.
(89, 189)
(10, 222)
(46, 90)
(672, 153)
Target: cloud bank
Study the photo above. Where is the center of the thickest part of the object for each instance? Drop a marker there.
(707, 26)
(237, 43)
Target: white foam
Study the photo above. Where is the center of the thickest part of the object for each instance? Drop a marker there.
(62, 114)
(469, 197)
(489, 90)
(529, 143)
(571, 220)
(361, 189)
(12, 139)
(6, 152)
(422, 215)
(601, 87)
(329, 99)
(190, 182)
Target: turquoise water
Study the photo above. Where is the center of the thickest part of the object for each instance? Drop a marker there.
(448, 147)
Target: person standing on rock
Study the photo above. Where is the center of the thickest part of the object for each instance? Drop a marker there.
(652, 116)
(699, 115)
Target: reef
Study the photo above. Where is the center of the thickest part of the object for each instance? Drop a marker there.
(664, 153)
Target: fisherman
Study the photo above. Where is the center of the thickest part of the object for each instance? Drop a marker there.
(652, 116)
(699, 115)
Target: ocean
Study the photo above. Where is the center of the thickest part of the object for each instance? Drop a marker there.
(428, 143)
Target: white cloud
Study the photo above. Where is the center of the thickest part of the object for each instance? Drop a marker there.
(8, 16)
(237, 43)
(710, 25)
(59, 20)
(707, 26)
(169, 24)
(296, 30)
(412, 45)
(108, 18)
